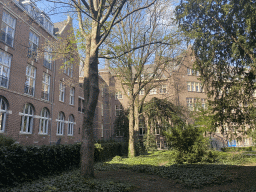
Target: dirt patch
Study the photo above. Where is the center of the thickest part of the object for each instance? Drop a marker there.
(142, 182)
(239, 178)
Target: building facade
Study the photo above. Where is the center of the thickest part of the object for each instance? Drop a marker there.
(38, 95)
(180, 84)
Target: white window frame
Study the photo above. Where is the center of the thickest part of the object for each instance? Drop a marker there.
(60, 124)
(46, 86)
(48, 57)
(153, 91)
(102, 109)
(5, 65)
(189, 86)
(68, 68)
(3, 113)
(71, 123)
(44, 122)
(118, 95)
(190, 104)
(189, 71)
(163, 89)
(72, 96)
(27, 119)
(193, 86)
(118, 110)
(61, 92)
(9, 29)
(197, 86)
(30, 80)
(33, 45)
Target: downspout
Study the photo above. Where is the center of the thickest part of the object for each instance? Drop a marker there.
(53, 83)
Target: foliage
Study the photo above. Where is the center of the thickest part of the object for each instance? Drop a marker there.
(149, 141)
(106, 151)
(70, 181)
(189, 142)
(19, 164)
(233, 149)
(6, 141)
(161, 115)
(224, 46)
(121, 124)
(162, 163)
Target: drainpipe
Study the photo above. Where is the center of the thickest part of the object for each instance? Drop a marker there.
(53, 83)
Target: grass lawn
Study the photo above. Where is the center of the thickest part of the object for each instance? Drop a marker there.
(156, 171)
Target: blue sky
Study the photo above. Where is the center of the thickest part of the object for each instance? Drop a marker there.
(47, 7)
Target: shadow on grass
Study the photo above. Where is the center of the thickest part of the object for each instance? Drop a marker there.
(195, 176)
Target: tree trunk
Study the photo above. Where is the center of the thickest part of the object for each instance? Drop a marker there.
(91, 92)
(131, 147)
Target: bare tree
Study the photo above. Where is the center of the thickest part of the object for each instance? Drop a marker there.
(96, 19)
(140, 49)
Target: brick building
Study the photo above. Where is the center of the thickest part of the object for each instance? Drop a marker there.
(39, 98)
(180, 84)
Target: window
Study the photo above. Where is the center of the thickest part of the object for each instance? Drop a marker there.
(71, 123)
(142, 129)
(44, 121)
(60, 123)
(141, 91)
(189, 86)
(5, 64)
(80, 105)
(203, 103)
(197, 73)
(48, 57)
(192, 86)
(189, 71)
(30, 80)
(3, 111)
(153, 91)
(197, 87)
(118, 109)
(33, 45)
(46, 86)
(102, 110)
(102, 130)
(163, 89)
(8, 29)
(62, 92)
(27, 119)
(68, 68)
(201, 88)
(72, 96)
(119, 95)
(190, 104)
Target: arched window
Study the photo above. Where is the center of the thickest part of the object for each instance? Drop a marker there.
(71, 123)
(3, 111)
(27, 119)
(44, 121)
(60, 123)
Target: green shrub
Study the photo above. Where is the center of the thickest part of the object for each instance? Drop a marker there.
(149, 141)
(19, 163)
(189, 142)
(6, 141)
(236, 149)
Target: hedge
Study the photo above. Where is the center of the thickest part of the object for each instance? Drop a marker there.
(233, 149)
(19, 163)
